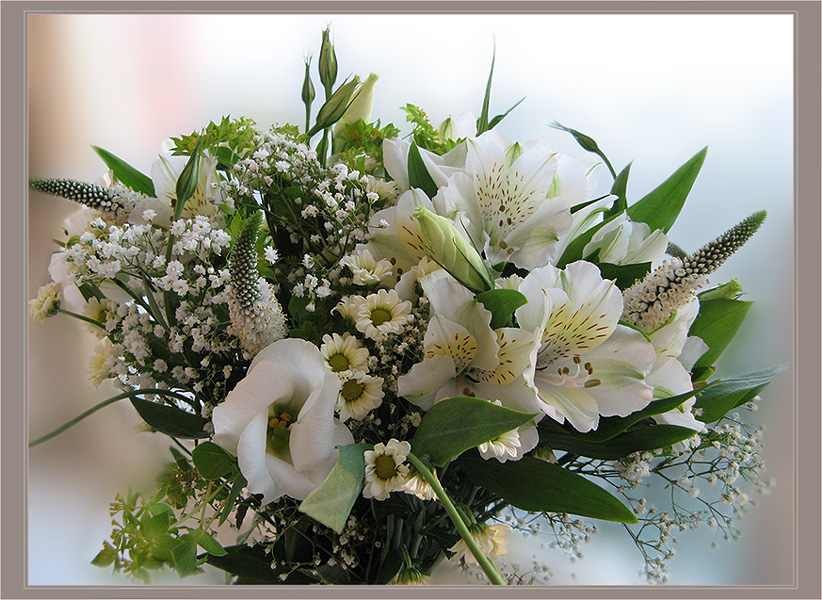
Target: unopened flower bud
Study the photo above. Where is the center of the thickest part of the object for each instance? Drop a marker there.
(335, 107)
(328, 63)
(360, 108)
(447, 130)
(308, 93)
(727, 291)
(445, 246)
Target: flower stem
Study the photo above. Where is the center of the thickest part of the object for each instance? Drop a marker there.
(81, 317)
(484, 562)
(97, 407)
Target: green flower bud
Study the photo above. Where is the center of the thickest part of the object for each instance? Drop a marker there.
(447, 130)
(335, 107)
(726, 291)
(360, 107)
(445, 246)
(308, 93)
(328, 63)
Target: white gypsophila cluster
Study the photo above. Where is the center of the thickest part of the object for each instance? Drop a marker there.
(130, 262)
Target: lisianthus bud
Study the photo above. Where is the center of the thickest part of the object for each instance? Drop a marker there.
(328, 62)
(447, 130)
(335, 107)
(360, 107)
(308, 93)
(445, 246)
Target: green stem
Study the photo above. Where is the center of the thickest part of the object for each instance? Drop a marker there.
(484, 562)
(81, 317)
(97, 407)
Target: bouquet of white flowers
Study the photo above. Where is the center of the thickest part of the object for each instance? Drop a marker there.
(373, 353)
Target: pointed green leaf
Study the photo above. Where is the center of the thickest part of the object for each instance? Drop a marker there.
(619, 189)
(482, 121)
(624, 275)
(170, 420)
(331, 502)
(501, 304)
(538, 486)
(643, 438)
(237, 487)
(716, 325)
(212, 461)
(185, 555)
(208, 543)
(495, 121)
(125, 173)
(588, 143)
(418, 175)
(660, 208)
(455, 425)
(716, 401)
(252, 564)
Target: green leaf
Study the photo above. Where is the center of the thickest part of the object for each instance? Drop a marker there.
(588, 143)
(212, 461)
(495, 121)
(482, 121)
(418, 175)
(238, 485)
(619, 189)
(660, 208)
(643, 438)
(250, 563)
(538, 486)
(455, 425)
(125, 173)
(185, 555)
(728, 394)
(716, 324)
(624, 275)
(170, 420)
(501, 304)
(188, 180)
(331, 502)
(208, 543)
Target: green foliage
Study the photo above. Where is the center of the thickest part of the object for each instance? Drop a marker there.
(455, 425)
(501, 304)
(588, 143)
(171, 420)
(228, 141)
(418, 175)
(619, 189)
(538, 486)
(714, 402)
(424, 134)
(716, 324)
(331, 502)
(213, 462)
(125, 173)
(360, 141)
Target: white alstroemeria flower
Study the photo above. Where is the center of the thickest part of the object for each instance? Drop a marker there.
(625, 242)
(164, 174)
(279, 421)
(676, 353)
(459, 339)
(440, 167)
(587, 365)
(506, 195)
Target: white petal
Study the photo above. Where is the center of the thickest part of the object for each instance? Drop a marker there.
(693, 349)
(575, 404)
(253, 459)
(420, 385)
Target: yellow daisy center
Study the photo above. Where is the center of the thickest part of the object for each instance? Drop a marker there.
(385, 466)
(338, 362)
(380, 316)
(351, 390)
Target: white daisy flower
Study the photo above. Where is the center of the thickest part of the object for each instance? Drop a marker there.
(100, 311)
(492, 541)
(385, 469)
(359, 395)
(47, 302)
(368, 272)
(349, 306)
(381, 314)
(417, 486)
(344, 353)
(101, 363)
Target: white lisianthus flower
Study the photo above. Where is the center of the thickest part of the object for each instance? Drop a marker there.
(625, 242)
(279, 421)
(587, 365)
(492, 541)
(385, 469)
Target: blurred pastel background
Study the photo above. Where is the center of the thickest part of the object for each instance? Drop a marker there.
(652, 89)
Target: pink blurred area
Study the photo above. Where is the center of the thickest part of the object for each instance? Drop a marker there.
(127, 82)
